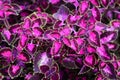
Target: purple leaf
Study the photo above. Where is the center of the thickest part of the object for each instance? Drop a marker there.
(108, 36)
(94, 38)
(83, 7)
(69, 63)
(62, 13)
(14, 71)
(44, 68)
(103, 52)
(40, 60)
(96, 13)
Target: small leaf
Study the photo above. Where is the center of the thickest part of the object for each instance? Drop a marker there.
(105, 2)
(95, 2)
(90, 60)
(56, 47)
(27, 23)
(108, 71)
(23, 57)
(103, 52)
(96, 13)
(108, 36)
(62, 13)
(94, 38)
(84, 5)
(14, 70)
(69, 63)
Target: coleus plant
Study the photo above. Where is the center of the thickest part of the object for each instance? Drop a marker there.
(59, 40)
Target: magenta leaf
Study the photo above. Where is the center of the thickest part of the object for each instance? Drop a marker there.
(6, 53)
(72, 19)
(54, 1)
(8, 35)
(82, 51)
(62, 13)
(36, 23)
(112, 46)
(14, 71)
(22, 56)
(95, 2)
(90, 60)
(115, 23)
(31, 48)
(82, 23)
(83, 7)
(37, 31)
(23, 40)
(103, 52)
(2, 14)
(108, 71)
(56, 47)
(96, 13)
(94, 38)
(27, 23)
(81, 32)
(66, 41)
(65, 31)
(91, 49)
(108, 36)
(99, 27)
(74, 45)
(105, 2)
(14, 28)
